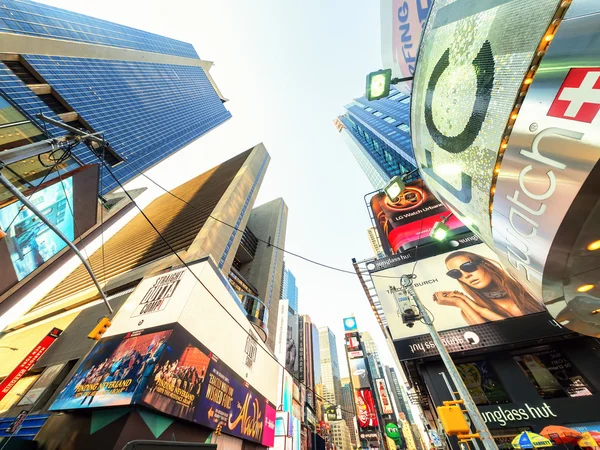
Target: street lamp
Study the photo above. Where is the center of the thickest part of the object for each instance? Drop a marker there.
(396, 185)
(440, 230)
(379, 83)
(409, 295)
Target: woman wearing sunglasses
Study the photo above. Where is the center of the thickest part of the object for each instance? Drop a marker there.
(491, 294)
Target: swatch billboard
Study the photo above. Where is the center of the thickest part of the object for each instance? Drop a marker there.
(407, 221)
(472, 299)
(170, 371)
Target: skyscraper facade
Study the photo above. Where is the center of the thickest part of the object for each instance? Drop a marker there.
(341, 435)
(378, 135)
(348, 408)
(330, 368)
(372, 355)
(397, 393)
(289, 290)
(150, 95)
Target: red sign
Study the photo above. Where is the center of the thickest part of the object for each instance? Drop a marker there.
(353, 343)
(366, 414)
(27, 363)
(579, 96)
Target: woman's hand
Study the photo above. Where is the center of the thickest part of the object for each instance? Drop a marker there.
(449, 298)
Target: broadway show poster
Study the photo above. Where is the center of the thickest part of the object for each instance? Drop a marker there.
(366, 414)
(113, 371)
(177, 380)
(230, 401)
(409, 219)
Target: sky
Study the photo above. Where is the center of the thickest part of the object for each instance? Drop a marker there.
(288, 68)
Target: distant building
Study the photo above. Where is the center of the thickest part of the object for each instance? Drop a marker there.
(330, 368)
(289, 290)
(348, 408)
(378, 135)
(341, 435)
(398, 394)
(372, 355)
(375, 242)
(267, 222)
(317, 373)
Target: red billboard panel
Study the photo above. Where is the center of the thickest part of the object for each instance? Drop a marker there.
(408, 220)
(366, 414)
(28, 362)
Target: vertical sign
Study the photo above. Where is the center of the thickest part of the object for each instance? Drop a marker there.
(27, 363)
(384, 399)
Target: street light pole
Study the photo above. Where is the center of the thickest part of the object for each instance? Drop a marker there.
(481, 427)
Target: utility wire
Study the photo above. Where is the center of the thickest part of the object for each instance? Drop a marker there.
(255, 339)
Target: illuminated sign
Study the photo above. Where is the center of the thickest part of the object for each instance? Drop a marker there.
(384, 399)
(465, 85)
(350, 324)
(366, 413)
(32, 357)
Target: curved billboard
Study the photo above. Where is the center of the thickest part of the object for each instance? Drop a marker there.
(472, 62)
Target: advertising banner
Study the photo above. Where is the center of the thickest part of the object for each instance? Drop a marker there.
(465, 289)
(170, 371)
(350, 325)
(366, 413)
(291, 356)
(281, 337)
(352, 343)
(113, 371)
(409, 220)
(27, 363)
(359, 374)
(402, 23)
(465, 85)
(355, 354)
(384, 398)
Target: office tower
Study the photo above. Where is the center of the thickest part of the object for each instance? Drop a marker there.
(375, 243)
(341, 435)
(318, 374)
(268, 222)
(330, 368)
(348, 408)
(226, 192)
(398, 394)
(289, 290)
(372, 354)
(378, 135)
(150, 95)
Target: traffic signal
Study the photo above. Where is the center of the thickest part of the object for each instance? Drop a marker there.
(453, 420)
(100, 329)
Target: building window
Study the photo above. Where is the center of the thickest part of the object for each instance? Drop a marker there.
(378, 114)
(403, 127)
(482, 383)
(405, 100)
(396, 96)
(553, 375)
(369, 109)
(389, 119)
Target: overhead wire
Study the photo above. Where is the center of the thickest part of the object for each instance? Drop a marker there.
(248, 333)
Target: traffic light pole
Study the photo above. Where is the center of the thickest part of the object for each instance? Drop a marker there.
(465, 396)
(14, 191)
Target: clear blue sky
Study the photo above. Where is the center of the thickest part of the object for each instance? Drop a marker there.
(288, 68)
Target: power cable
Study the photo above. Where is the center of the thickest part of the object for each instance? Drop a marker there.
(255, 339)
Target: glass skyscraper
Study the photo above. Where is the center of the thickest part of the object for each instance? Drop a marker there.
(378, 135)
(289, 290)
(330, 368)
(150, 95)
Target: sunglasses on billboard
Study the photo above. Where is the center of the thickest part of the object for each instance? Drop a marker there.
(468, 267)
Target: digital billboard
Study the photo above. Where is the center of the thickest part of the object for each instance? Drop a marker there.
(401, 27)
(384, 398)
(350, 325)
(70, 205)
(358, 373)
(366, 413)
(464, 288)
(30, 242)
(292, 347)
(408, 220)
(170, 371)
(464, 89)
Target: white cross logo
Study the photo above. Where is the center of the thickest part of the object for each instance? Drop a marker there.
(585, 93)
